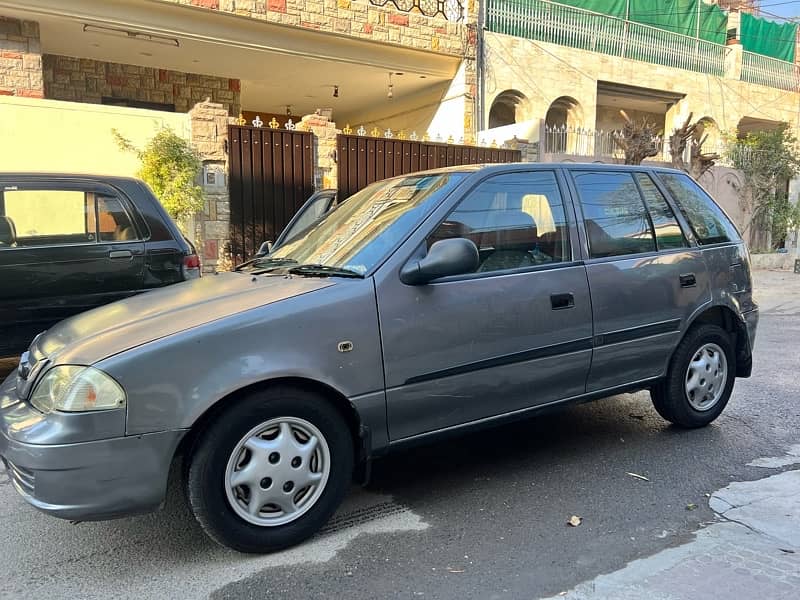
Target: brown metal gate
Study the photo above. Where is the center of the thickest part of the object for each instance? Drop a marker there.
(362, 160)
(271, 176)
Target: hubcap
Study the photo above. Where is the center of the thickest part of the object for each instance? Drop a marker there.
(706, 377)
(277, 471)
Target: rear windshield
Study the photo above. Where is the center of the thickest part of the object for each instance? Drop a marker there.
(707, 220)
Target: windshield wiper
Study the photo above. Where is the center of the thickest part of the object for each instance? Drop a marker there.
(265, 263)
(314, 270)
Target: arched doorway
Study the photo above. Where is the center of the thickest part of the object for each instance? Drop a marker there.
(563, 120)
(509, 107)
(707, 128)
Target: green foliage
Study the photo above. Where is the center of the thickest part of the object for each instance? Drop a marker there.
(169, 165)
(769, 159)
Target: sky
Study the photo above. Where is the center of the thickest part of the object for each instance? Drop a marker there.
(787, 9)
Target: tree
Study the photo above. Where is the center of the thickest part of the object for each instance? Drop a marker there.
(768, 159)
(169, 165)
(688, 134)
(639, 139)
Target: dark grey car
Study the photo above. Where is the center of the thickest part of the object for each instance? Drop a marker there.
(425, 304)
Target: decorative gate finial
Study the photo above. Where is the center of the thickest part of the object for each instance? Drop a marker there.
(347, 130)
(241, 120)
(257, 122)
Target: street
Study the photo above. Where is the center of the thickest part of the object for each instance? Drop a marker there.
(482, 516)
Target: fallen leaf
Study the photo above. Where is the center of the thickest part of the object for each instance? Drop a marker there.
(637, 476)
(691, 506)
(452, 570)
(574, 521)
(640, 417)
(786, 550)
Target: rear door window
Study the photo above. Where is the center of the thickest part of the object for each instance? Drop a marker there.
(668, 233)
(707, 220)
(614, 214)
(53, 217)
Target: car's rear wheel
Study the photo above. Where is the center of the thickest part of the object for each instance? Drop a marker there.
(270, 470)
(700, 378)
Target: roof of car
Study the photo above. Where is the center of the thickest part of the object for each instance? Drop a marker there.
(76, 176)
(549, 165)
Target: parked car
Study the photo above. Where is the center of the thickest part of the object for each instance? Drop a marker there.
(425, 305)
(319, 204)
(69, 243)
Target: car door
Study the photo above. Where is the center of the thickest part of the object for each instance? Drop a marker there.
(646, 278)
(75, 247)
(513, 335)
(312, 210)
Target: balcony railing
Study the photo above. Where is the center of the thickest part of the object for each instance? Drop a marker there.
(771, 72)
(547, 21)
(452, 10)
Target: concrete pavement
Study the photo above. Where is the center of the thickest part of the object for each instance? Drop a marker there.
(752, 552)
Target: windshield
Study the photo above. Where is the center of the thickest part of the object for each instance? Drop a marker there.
(358, 234)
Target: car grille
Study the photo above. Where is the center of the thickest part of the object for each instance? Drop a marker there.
(22, 477)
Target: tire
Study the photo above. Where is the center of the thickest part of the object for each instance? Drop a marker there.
(222, 453)
(671, 397)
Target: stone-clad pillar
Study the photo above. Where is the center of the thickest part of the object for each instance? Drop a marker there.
(209, 135)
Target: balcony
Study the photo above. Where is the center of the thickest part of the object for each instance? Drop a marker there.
(546, 21)
(771, 72)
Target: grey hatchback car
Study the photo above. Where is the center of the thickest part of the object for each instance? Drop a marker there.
(426, 304)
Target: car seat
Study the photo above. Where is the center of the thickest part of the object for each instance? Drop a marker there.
(8, 232)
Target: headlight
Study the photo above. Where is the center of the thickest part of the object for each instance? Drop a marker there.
(77, 389)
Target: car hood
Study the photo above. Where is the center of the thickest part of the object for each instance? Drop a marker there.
(102, 332)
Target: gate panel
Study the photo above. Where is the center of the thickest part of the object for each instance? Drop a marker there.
(363, 160)
(271, 175)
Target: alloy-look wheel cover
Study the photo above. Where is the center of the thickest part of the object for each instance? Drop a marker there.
(706, 377)
(277, 471)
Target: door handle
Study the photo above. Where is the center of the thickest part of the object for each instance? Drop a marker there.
(120, 254)
(562, 301)
(688, 280)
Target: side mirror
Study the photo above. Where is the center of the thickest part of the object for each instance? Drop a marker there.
(455, 256)
(264, 249)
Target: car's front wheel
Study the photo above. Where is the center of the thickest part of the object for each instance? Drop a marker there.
(270, 471)
(700, 378)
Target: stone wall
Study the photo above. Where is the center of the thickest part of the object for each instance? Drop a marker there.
(356, 18)
(85, 80)
(20, 59)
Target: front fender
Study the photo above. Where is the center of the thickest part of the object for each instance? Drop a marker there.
(171, 382)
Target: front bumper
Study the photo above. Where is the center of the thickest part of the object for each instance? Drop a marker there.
(89, 480)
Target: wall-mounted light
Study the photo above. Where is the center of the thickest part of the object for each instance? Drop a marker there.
(390, 88)
(336, 91)
(132, 35)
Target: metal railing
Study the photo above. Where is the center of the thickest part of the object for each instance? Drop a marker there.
(577, 141)
(772, 72)
(452, 10)
(548, 21)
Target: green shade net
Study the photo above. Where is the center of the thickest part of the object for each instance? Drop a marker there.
(681, 16)
(768, 37)
(615, 8)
